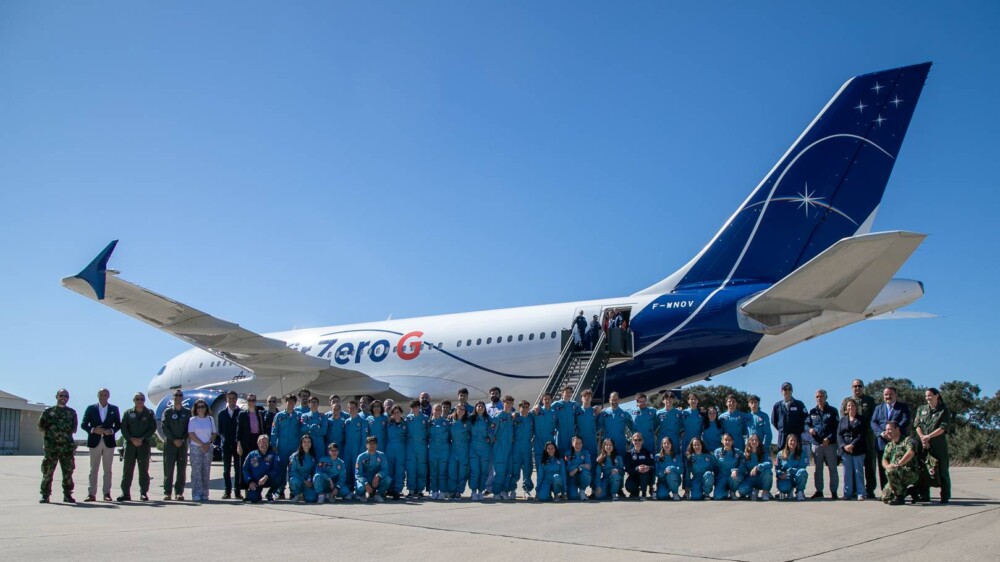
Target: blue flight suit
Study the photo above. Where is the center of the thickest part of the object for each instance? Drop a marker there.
(302, 409)
(694, 424)
(257, 466)
(395, 453)
(377, 427)
(367, 467)
(671, 422)
(551, 479)
(544, 423)
(711, 436)
(520, 464)
(735, 424)
(765, 474)
(669, 471)
(299, 474)
(609, 482)
(577, 484)
(440, 451)
(479, 455)
(316, 426)
(613, 424)
(759, 424)
(792, 473)
(725, 463)
(646, 423)
(331, 477)
(285, 433)
(355, 435)
(335, 430)
(565, 413)
(416, 452)
(586, 428)
(458, 463)
(701, 475)
(502, 428)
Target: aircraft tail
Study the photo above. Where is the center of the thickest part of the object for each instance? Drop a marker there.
(826, 187)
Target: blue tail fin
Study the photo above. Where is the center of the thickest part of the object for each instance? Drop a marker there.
(825, 188)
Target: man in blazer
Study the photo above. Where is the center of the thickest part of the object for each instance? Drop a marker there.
(101, 421)
(227, 430)
(888, 410)
(249, 426)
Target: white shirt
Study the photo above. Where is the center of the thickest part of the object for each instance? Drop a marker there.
(202, 427)
(103, 411)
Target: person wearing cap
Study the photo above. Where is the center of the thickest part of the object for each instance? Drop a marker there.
(371, 473)
(788, 415)
(175, 447)
(330, 479)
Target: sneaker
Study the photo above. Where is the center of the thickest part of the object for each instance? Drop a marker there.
(732, 495)
(765, 497)
(614, 497)
(861, 497)
(379, 499)
(90, 499)
(800, 497)
(321, 498)
(143, 498)
(676, 496)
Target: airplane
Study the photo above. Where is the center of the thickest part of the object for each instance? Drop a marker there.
(797, 259)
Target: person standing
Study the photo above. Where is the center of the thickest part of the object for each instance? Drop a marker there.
(175, 446)
(644, 421)
(502, 431)
(285, 435)
(315, 423)
(227, 424)
(580, 331)
(932, 422)
(249, 426)
(438, 453)
(395, 451)
(416, 424)
(543, 420)
(58, 424)
(458, 462)
(356, 435)
(670, 422)
(138, 427)
(822, 425)
(566, 412)
(613, 423)
(759, 424)
(851, 443)
(734, 422)
(101, 421)
(521, 458)
(272, 410)
(202, 433)
(788, 415)
(586, 427)
(866, 407)
(593, 333)
(889, 410)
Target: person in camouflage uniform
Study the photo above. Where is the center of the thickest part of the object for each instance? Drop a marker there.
(58, 423)
(900, 464)
(138, 427)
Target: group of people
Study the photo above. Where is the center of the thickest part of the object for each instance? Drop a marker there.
(586, 334)
(555, 450)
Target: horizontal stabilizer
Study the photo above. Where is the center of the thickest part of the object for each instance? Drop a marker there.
(845, 278)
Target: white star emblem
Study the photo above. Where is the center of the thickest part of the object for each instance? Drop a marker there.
(896, 101)
(860, 107)
(877, 87)
(806, 200)
(880, 120)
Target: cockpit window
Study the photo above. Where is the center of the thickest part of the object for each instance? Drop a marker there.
(162, 369)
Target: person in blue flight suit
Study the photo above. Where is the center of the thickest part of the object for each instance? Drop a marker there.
(301, 469)
(579, 465)
(261, 470)
(463, 401)
(371, 473)
(416, 450)
(792, 468)
(479, 453)
(502, 429)
(759, 423)
(700, 466)
(378, 422)
(439, 451)
(551, 474)
(711, 434)
(355, 434)
(395, 450)
(586, 427)
(645, 421)
(669, 471)
(694, 424)
(670, 421)
(614, 422)
(285, 434)
(304, 395)
(458, 463)
(758, 473)
(566, 412)
(580, 331)
(315, 424)
(729, 469)
(544, 420)
(335, 419)
(734, 422)
(331, 476)
(610, 472)
(521, 458)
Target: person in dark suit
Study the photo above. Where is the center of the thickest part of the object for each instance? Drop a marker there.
(249, 426)
(888, 410)
(272, 410)
(788, 415)
(227, 431)
(101, 421)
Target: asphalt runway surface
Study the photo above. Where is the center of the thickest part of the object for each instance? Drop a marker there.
(967, 528)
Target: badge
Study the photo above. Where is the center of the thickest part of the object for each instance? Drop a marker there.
(174, 416)
(132, 415)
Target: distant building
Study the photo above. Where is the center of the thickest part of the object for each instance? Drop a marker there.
(19, 433)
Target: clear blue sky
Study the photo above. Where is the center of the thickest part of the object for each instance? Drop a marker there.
(316, 163)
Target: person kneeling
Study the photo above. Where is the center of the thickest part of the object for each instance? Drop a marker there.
(261, 469)
(371, 473)
(899, 464)
(331, 475)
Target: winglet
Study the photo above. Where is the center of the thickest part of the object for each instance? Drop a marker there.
(95, 274)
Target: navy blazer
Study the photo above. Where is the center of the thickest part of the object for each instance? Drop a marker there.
(227, 428)
(92, 419)
(900, 414)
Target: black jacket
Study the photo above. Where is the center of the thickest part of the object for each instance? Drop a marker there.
(788, 420)
(92, 419)
(269, 420)
(227, 428)
(243, 436)
(851, 434)
(633, 459)
(824, 422)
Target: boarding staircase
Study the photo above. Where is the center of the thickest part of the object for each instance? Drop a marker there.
(586, 369)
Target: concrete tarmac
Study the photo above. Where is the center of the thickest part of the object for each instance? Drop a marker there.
(968, 528)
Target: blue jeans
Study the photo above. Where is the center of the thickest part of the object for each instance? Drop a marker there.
(854, 475)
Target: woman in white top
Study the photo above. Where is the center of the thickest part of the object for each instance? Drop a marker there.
(202, 432)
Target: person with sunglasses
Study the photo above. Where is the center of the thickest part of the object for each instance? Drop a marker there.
(58, 424)
(138, 427)
(175, 446)
(202, 432)
(866, 407)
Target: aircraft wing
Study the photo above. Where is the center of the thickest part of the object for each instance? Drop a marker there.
(846, 277)
(263, 355)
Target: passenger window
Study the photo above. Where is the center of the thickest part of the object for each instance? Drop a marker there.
(479, 341)
(468, 343)
(531, 336)
(200, 364)
(489, 341)
(553, 335)
(509, 338)
(520, 337)
(541, 336)
(458, 343)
